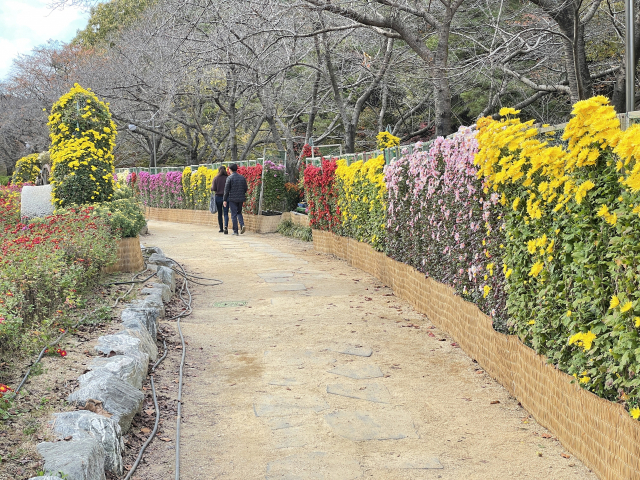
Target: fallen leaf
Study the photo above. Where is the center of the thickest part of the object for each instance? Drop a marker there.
(565, 455)
(368, 299)
(150, 411)
(165, 439)
(145, 430)
(495, 402)
(546, 435)
(431, 334)
(539, 454)
(66, 439)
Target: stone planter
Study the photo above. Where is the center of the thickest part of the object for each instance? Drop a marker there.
(129, 257)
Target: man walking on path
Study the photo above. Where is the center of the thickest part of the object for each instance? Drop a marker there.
(234, 196)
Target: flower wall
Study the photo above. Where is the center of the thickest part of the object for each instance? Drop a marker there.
(571, 240)
(541, 233)
(322, 195)
(361, 194)
(442, 223)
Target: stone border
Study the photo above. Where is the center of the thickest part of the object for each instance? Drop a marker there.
(598, 432)
(110, 393)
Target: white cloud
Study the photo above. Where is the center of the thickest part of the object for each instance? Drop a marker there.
(25, 24)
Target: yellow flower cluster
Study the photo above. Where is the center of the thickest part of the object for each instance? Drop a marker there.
(26, 169)
(200, 183)
(83, 137)
(584, 340)
(387, 140)
(362, 189)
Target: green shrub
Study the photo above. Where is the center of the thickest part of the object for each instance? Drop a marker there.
(124, 216)
(290, 229)
(4, 181)
(27, 169)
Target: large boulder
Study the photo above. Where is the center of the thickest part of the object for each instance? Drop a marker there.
(168, 277)
(128, 342)
(84, 424)
(136, 318)
(36, 201)
(118, 398)
(158, 288)
(131, 368)
(159, 259)
(81, 459)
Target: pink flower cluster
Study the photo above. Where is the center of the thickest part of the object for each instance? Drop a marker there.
(440, 221)
(162, 190)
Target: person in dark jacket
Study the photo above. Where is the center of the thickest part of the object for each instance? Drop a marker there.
(234, 196)
(217, 187)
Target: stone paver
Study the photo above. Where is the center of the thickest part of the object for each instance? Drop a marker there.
(314, 378)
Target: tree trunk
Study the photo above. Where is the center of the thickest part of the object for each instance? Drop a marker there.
(441, 88)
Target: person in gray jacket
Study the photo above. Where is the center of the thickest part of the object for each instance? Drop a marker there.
(235, 190)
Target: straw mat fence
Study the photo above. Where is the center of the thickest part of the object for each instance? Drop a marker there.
(598, 432)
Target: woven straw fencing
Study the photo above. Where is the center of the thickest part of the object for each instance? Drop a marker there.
(598, 432)
(253, 223)
(129, 257)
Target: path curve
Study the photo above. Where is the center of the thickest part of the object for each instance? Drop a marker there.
(301, 367)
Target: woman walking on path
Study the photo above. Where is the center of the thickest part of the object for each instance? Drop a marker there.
(218, 187)
(234, 196)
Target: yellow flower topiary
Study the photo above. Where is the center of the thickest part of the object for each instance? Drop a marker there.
(387, 140)
(26, 170)
(82, 141)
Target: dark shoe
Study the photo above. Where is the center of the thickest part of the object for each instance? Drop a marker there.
(242, 229)
(220, 231)
(226, 231)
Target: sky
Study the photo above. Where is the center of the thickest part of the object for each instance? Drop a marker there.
(25, 24)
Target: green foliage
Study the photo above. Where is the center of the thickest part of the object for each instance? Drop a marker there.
(124, 216)
(4, 181)
(289, 229)
(108, 19)
(27, 169)
(274, 192)
(82, 137)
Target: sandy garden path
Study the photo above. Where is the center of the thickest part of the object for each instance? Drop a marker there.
(319, 372)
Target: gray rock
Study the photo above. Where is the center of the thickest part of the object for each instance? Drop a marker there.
(131, 368)
(372, 392)
(358, 372)
(157, 292)
(361, 426)
(159, 259)
(136, 318)
(83, 424)
(118, 397)
(128, 342)
(144, 230)
(165, 291)
(152, 250)
(81, 459)
(36, 201)
(168, 277)
(152, 302)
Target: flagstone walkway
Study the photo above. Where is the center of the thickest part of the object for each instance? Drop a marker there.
(301, 367)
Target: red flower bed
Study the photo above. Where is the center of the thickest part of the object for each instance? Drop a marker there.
(254, 179)
(45, 267)
(322, 196)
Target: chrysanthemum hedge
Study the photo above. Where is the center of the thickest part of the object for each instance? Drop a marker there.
(541, 232)
(26, 170)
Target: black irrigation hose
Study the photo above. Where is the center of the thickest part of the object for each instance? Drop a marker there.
(185, 285)
(131, 282)
(157, 422)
